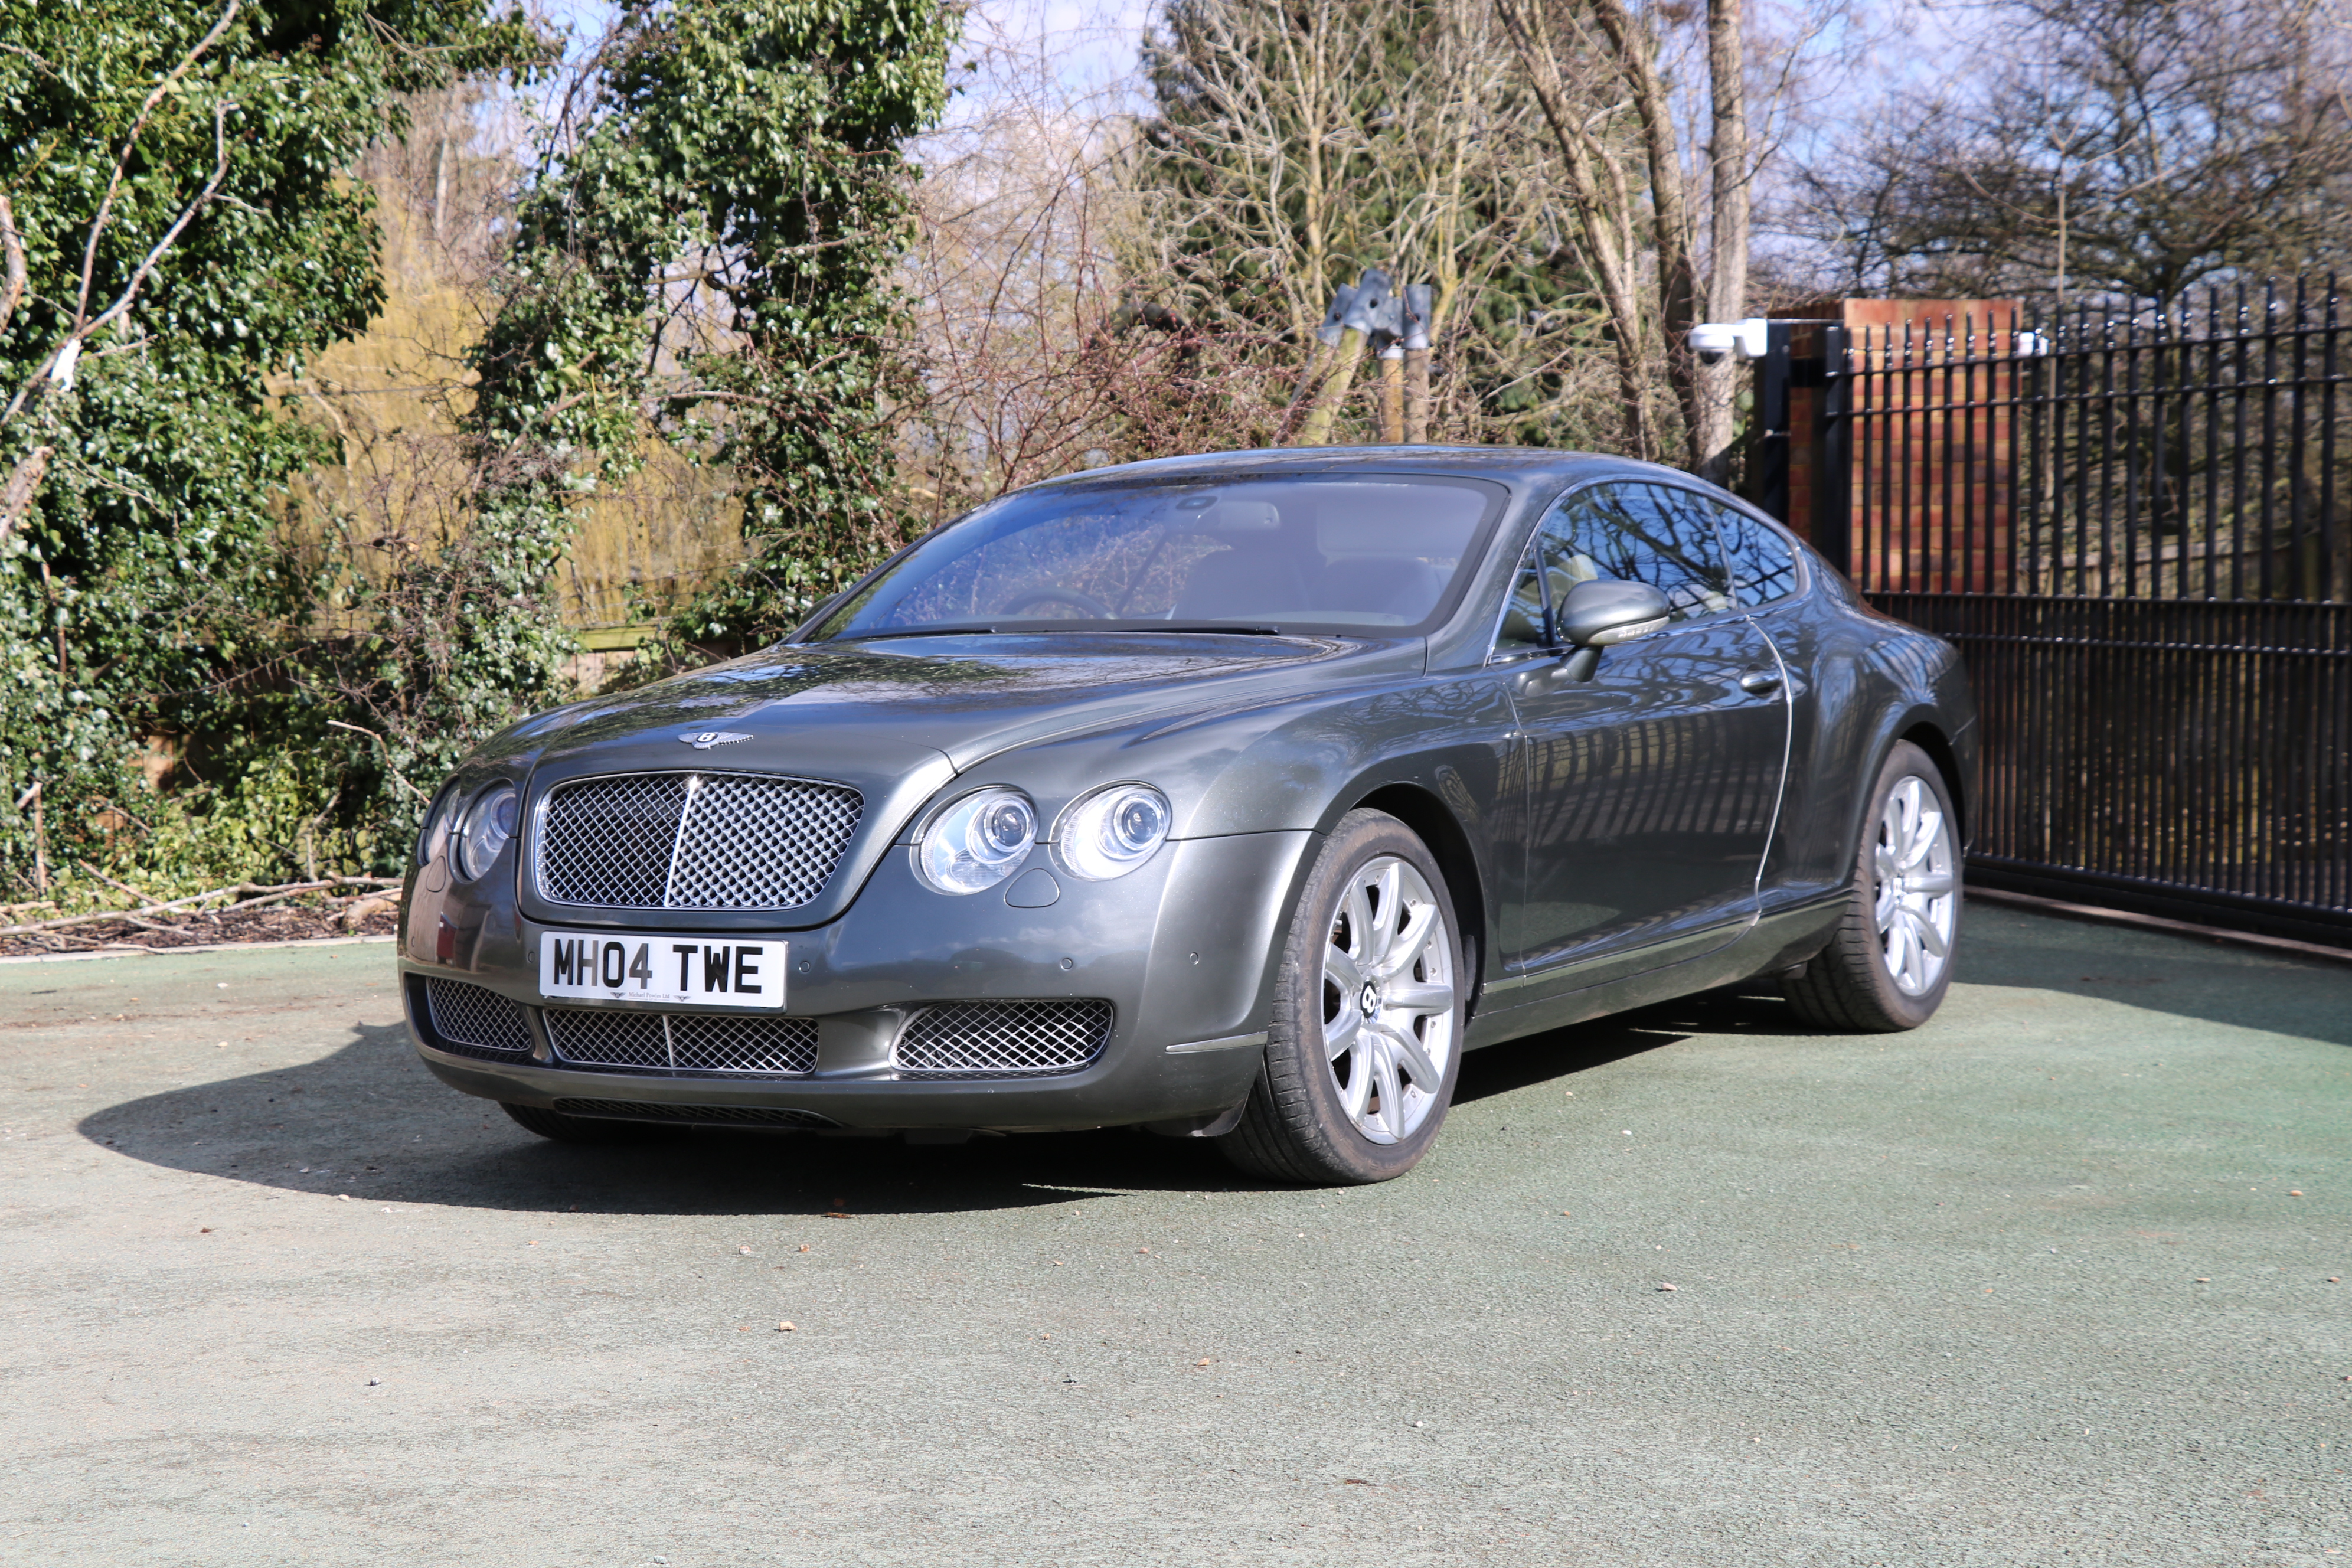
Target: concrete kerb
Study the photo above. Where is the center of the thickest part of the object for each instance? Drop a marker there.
(136, 950)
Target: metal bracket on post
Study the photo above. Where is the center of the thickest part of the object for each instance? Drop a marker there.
(1355, 316)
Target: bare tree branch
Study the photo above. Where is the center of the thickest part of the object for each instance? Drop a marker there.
(122, 159)
(12, 246)
(123, 301)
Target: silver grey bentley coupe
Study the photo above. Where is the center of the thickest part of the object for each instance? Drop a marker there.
(1232, 796)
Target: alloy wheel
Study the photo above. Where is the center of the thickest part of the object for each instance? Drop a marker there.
(1916, 897)
(1388, 998)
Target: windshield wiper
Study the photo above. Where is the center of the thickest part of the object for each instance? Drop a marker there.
(911, 631)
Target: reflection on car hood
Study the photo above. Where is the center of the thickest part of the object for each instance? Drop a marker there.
(967, 697)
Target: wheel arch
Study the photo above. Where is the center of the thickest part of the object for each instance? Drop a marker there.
(1434, 824)
(1929, 737)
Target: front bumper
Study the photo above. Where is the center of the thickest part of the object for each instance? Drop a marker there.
(1183, 951)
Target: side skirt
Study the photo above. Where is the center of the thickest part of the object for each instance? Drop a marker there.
(1774, 942)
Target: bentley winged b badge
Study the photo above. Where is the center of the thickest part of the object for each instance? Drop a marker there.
(703, 740)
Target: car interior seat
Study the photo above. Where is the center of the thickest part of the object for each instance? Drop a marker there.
(1399, 586)
(1258, 572)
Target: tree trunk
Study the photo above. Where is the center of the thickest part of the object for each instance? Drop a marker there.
(1603, 205)
(1715, 387)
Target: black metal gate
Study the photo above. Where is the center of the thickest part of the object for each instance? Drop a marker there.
(2133, 525)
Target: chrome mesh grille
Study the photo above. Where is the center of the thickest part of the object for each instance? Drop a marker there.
(687, 1042)
(477, 1017)
(1002, 1039)
(693, 841)
(649, 1110)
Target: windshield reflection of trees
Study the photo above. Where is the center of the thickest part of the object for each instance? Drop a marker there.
(1379, 552)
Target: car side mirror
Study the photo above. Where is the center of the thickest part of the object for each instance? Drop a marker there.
(1601, 613)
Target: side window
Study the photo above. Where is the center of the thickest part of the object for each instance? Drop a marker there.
(1523, 613)
(1763, 564)
(1639, 534)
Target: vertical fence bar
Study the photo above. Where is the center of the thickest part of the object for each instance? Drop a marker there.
(2270, 390)
(1942, 452)
(2026, 412)
(2178, 452)
(2134, 506)
(2238, 458)
(1988, 481)
(2081, 405)
(1884, 397)
(2107, 458)
(2212, 441)
(1905, 400)
(2332, 556)
(2298, 481)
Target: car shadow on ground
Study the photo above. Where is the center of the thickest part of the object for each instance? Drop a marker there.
(368, 1121)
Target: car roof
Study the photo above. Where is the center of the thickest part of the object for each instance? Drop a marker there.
(1520, 466)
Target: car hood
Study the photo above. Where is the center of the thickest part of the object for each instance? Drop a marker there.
(897, 719)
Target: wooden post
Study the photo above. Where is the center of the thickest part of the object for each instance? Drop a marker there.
(40, 842)
(1393, 395)
(1416, 363)
(1317, 431)
(1318, 360)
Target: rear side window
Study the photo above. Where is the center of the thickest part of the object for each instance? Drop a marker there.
(1639, 534)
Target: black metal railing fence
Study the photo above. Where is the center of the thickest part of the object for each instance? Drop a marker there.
(2133, 525)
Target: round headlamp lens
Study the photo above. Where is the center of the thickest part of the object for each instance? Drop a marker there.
(978, 841)
(1112, 831)
(1001, 828)
(488, 827)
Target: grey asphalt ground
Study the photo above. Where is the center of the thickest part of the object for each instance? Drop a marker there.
(2032, 1285)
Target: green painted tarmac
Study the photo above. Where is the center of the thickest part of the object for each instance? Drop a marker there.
(2053, 1281)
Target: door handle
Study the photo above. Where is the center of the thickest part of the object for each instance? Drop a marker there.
(1756, 682)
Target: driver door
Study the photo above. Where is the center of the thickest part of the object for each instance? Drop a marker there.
(1652, 788)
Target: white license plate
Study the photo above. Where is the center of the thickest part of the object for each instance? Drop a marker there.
(667, 968)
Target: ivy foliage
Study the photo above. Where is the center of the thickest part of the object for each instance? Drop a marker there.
(709, 258)
(187, 157)
(702, 255)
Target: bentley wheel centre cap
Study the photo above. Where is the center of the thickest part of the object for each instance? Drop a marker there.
(1371, 998)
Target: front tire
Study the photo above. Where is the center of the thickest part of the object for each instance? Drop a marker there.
(1889, 964)
(1365, 1042)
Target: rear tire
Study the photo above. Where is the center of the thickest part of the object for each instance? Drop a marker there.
(1351, 1093)
(565, 1129)
(1890, 963)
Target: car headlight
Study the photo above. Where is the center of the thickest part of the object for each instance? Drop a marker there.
(1112, 831)
(977, 841)
(489, 825)
(433, 835)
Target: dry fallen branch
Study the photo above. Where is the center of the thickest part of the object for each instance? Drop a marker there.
(260, 894)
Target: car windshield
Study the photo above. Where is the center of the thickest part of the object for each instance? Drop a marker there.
(1377, 555)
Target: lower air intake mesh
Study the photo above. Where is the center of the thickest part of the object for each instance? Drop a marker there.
(473, 1018)
(683, 1042)
(733, 1115)
(1002, 1039)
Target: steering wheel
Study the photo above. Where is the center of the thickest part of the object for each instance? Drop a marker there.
(1070, 596)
